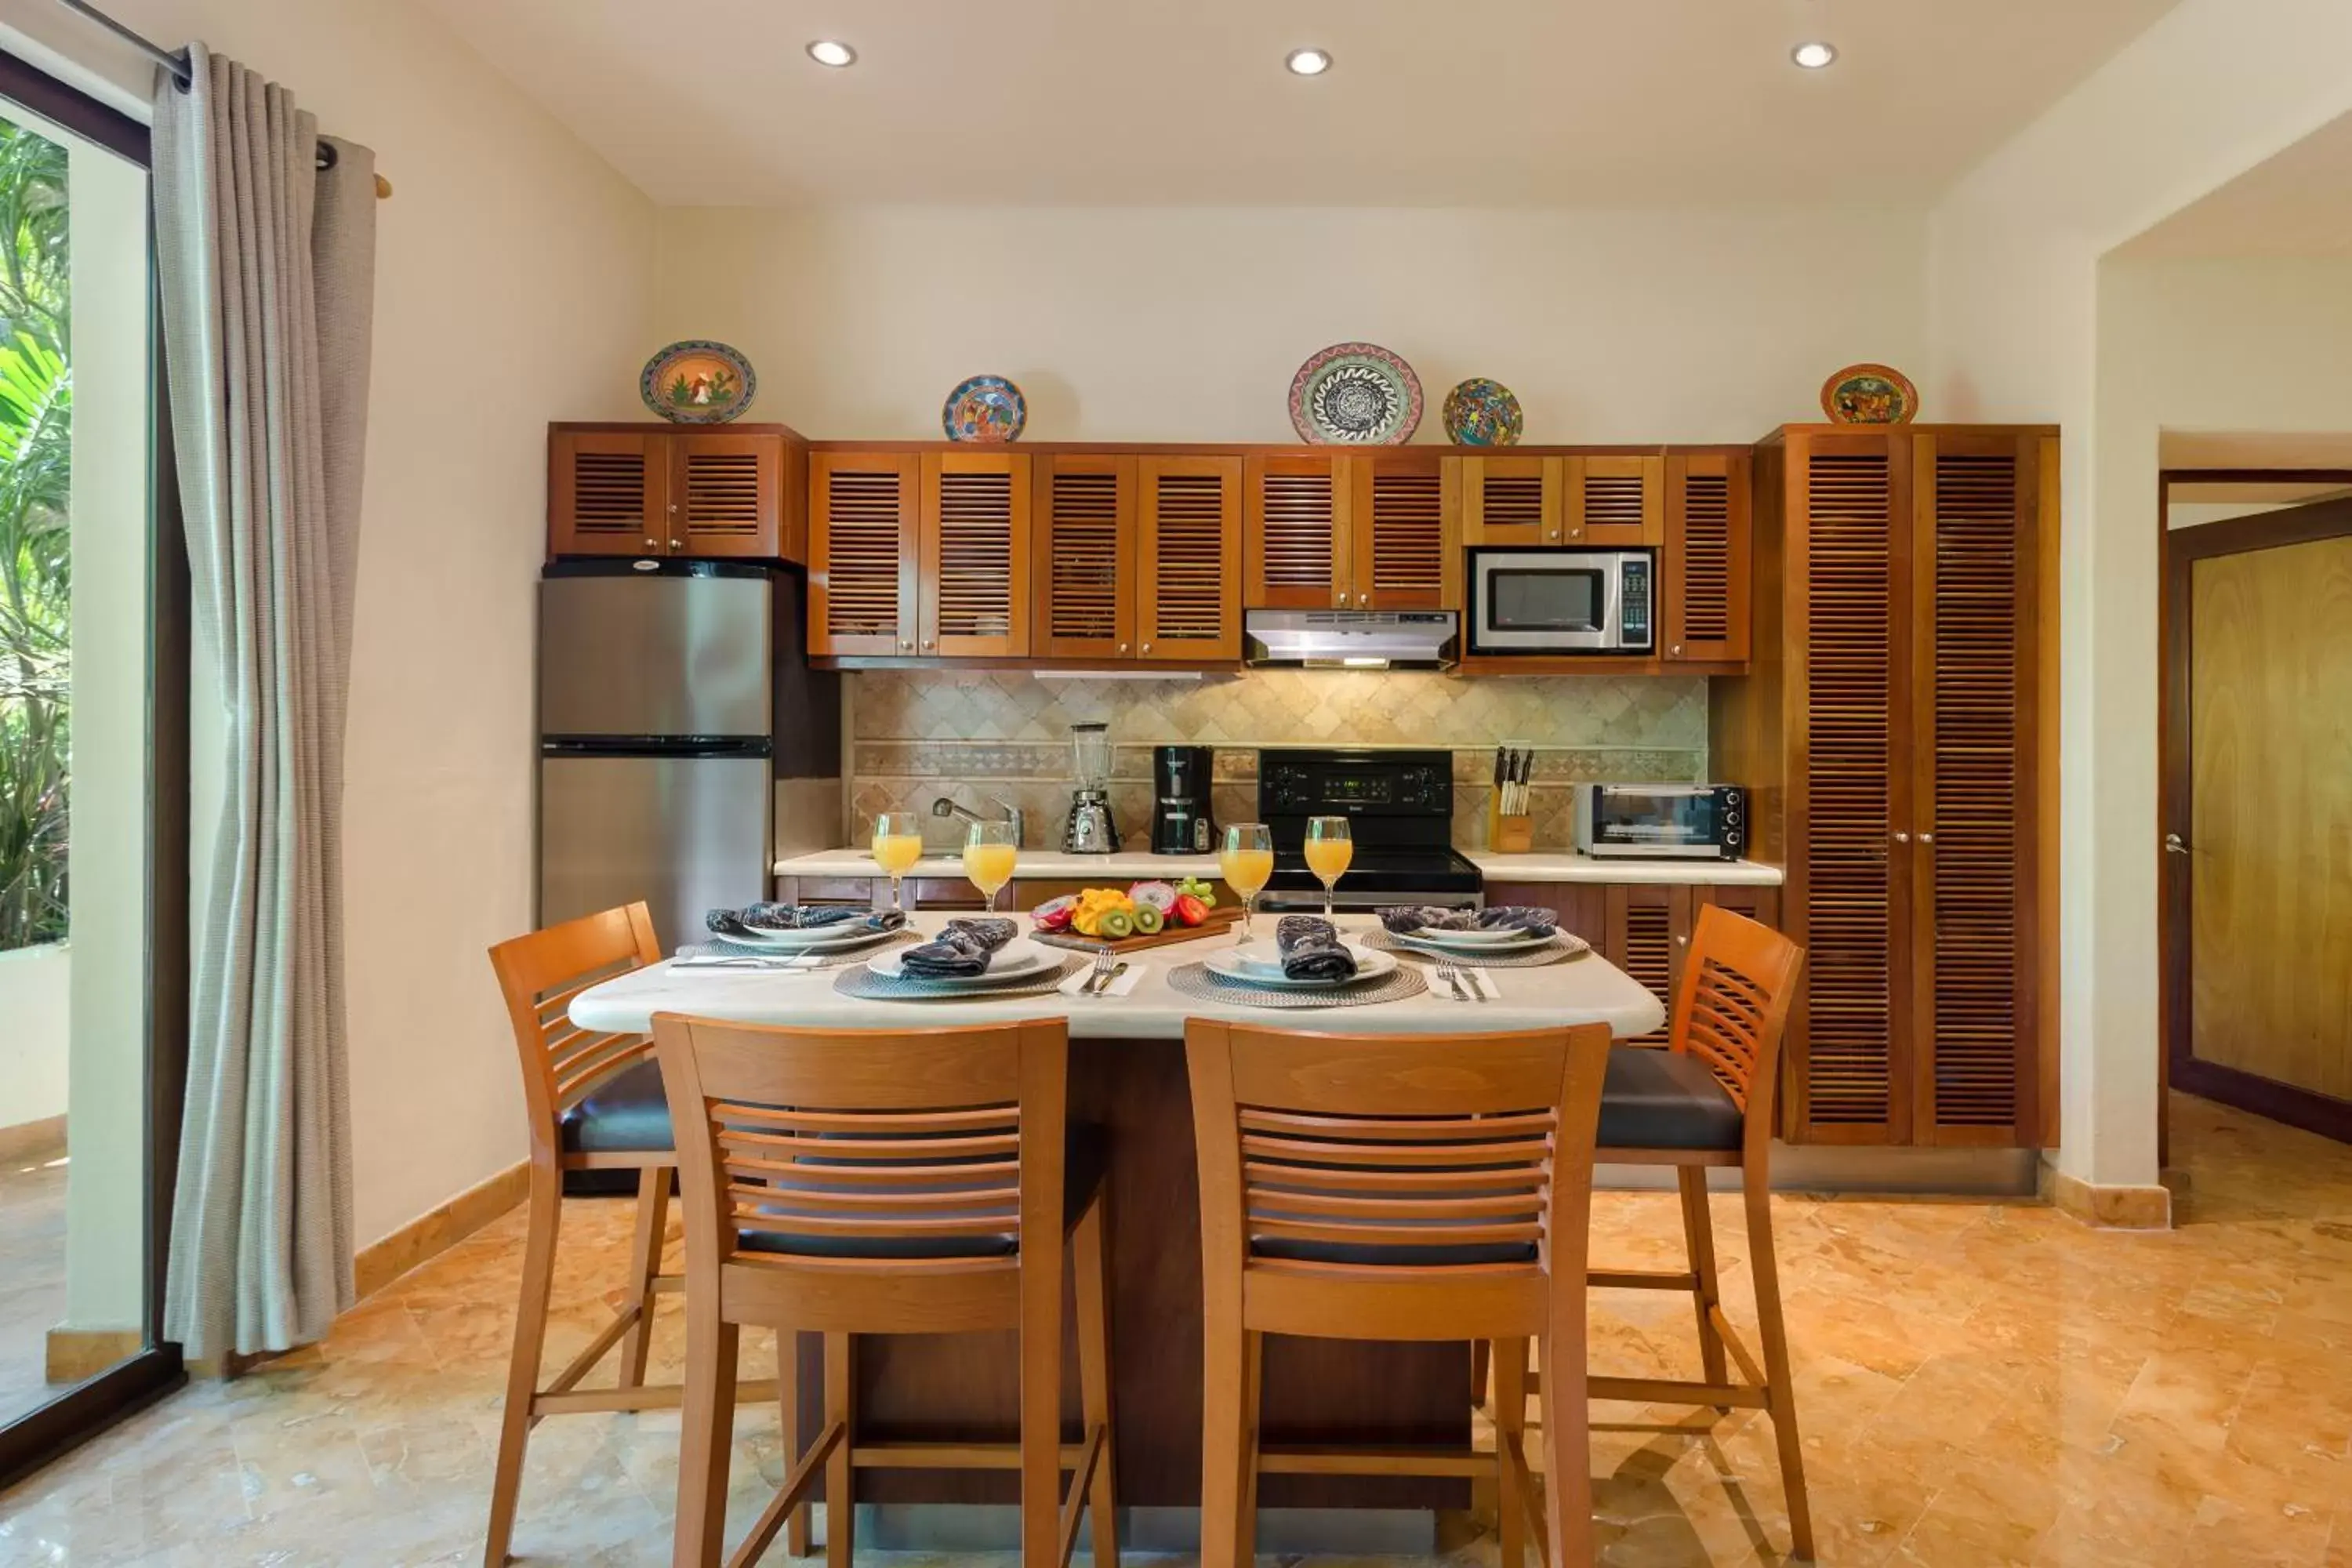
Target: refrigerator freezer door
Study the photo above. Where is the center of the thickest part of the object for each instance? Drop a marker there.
(631, 653)
(687, 835)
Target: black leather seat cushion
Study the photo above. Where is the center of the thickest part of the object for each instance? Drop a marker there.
(1286, 1250)
(625, 1114)
(1665, 1099)
(1085, 1157)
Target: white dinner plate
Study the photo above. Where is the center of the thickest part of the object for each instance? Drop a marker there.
(1473, 940)
(1019, 959)
(1249, 965)
(817, 939)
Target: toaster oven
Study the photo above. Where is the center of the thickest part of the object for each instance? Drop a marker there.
(1662, 822)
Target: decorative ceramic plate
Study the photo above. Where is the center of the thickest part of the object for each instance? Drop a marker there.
(1483, 413)
(1355, 394)
(986, 409)
(1019, 959)
(698, 383)
(1260, 964)
(1870, 394)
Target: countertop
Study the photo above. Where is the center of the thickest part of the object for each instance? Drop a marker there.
(1581, 990)
(1041, 865)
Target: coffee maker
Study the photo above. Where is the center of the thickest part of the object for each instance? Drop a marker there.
(1180, 819)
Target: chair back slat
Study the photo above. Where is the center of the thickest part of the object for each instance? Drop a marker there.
(1733, 1003)
(539, 975)
(823, 1145)
(1396, 1151)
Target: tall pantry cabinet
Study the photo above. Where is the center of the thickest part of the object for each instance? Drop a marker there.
(1898, 730)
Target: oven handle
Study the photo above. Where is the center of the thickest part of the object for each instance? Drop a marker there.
(1294, 903)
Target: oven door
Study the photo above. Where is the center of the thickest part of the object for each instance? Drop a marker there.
(1544, 601)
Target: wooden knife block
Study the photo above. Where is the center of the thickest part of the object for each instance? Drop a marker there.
(1508, 835)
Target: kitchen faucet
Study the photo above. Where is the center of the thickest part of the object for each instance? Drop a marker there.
(944, 807)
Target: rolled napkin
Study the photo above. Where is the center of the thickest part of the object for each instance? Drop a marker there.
(961, 951)
(800, 917)
(1406, 919)
(1311, 950)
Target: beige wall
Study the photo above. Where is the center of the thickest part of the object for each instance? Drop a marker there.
(514, 269)
(1165, 324)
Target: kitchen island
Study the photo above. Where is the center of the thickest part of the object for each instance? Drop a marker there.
(1127, 1075)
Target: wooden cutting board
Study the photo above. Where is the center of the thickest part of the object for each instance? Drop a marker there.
(1221, 921)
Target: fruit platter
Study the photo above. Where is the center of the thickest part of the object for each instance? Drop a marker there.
(1144, 914)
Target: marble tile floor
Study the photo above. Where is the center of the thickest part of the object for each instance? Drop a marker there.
(1979, 1385)
(32, 1275)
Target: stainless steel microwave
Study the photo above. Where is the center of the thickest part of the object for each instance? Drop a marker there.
(1562, 600)
(1662, 822)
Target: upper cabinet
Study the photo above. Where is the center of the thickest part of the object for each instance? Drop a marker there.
(1189, 601)
(864, 553)
(1527, 502)
(1707, 561)
(919, 556)
(1137, 558)
(1353, 530)
(973, 586)
(1084, 568)
(731, 494)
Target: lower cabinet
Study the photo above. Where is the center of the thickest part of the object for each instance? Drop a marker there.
(1645, 928)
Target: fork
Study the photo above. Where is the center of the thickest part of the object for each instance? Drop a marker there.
(1101, 976)
(1452, 977)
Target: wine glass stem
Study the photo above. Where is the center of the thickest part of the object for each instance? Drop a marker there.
(897, 893)
(1327, 900)
(1249, 909)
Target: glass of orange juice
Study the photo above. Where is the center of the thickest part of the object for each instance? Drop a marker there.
(1245, 859)
(897, 845)
(989, 853)
(1329, 847)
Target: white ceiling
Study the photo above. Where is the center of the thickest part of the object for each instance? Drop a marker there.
(1430, 102)
(2296, 203)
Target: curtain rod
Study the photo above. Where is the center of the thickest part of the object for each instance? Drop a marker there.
(177, 64)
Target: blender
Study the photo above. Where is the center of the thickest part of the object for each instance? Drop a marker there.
(1090, 830)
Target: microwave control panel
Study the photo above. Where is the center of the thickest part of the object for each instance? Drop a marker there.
(1634, 616)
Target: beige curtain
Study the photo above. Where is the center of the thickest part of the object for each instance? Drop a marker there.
(267, 275)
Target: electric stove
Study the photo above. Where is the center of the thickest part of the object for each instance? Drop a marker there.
(1399, 810)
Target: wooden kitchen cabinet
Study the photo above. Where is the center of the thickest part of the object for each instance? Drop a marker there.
(1512, 500)
(1085, 569)
(1706, 567)
(1188, 533)
(1297, 533)
(733, 493)
(1897, 737)
(920, 555)
(1353, 530)
(1615, 502)
(864, 553)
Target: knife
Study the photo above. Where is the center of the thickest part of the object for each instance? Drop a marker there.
(1109, 979)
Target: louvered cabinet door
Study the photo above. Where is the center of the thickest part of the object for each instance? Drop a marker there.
(1406, 547)
(726, 493)
(1646, 931)
(1084, 565)
(607, 493)
(863, 509)
(1848, 899)
(1296, 541)
(975, 555)
(1189, 593)
(1704, 563)
(1617, 501)
(1974, 679)
(1512, 501)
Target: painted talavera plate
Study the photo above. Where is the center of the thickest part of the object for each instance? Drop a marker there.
(1355, 394)
(698, 383)
(984, 409)
(1870, 394)
(1483, 413)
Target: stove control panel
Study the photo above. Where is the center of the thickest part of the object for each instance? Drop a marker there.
(1356, 783)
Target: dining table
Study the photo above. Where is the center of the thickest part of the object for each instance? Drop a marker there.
(1128, 1075)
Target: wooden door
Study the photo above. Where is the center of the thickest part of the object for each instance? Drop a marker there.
(1188, 598)
(1848, 899)
(865, 509)
(1296, 541)
(975, 555)
(726, 495)
(607, 493)
(1616, 502)
(1512, 500)
(1405, 548)
(1084, 564)
(1974, 676)
(1647, 930)
(2259, 813)
(1704, 563)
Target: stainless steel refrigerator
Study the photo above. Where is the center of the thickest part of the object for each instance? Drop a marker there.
(672, 697)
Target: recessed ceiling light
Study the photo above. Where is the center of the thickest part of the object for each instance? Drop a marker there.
(1814, 56)
(830, 52)
(1308, 62)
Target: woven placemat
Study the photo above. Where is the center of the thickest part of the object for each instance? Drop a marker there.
(720, 947)
(1562, 946)
(864, 982)
(1195, 981)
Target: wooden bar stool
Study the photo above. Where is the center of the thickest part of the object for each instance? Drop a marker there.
(1396, 1187)
(594, 1103)
(1702, 1102)
(888, 1182)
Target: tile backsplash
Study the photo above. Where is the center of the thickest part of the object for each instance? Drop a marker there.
(983, 735)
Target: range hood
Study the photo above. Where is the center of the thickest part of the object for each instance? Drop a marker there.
(1351, 639)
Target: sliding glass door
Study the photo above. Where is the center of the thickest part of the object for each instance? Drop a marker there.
(93, 778)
